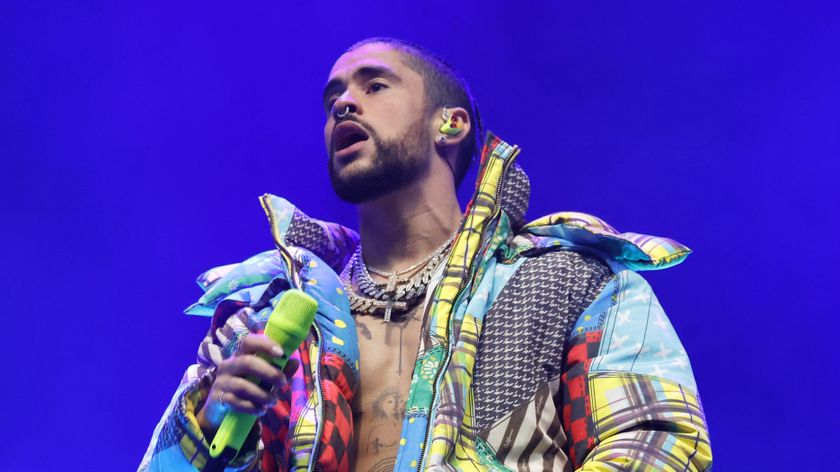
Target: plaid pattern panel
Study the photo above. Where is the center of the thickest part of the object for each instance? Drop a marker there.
(636, 251)
(647, 423)
(663, 252)
(577, 409)
(453, 425)
(455, 402)
(464, 251)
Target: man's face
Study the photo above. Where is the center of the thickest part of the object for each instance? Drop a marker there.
(384, 141)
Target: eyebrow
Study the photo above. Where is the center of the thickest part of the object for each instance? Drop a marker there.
(362, 73)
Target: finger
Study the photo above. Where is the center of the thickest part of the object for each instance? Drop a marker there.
(253, 366)
(242, 389)
(259, 344)
(235, 403)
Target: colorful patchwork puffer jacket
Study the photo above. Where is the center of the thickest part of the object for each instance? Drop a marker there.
(621, 396)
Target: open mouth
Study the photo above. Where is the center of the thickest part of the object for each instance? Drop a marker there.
(346, 134)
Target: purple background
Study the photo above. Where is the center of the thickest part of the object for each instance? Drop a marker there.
(136, 138)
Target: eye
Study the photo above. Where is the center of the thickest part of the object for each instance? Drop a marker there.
(375, 87)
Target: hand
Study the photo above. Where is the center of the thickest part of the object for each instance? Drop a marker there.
(233, 391)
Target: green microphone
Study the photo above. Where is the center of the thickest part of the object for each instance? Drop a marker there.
(288, 326)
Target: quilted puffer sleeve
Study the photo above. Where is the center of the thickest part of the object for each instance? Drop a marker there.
(630, 401)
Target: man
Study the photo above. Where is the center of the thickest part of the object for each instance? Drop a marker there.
(442, 341)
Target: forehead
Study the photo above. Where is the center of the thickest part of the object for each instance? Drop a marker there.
(374, 54)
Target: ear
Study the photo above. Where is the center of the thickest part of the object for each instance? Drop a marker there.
(449, 133)
(454, 124)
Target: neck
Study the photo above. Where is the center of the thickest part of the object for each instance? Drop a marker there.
(404, 227)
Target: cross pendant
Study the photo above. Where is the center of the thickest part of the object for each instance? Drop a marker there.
(388, 308)
(391, 288)
(392, 283)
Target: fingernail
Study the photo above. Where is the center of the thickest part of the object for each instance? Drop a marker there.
(277, 351)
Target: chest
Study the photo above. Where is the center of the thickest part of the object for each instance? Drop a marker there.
(388, 352)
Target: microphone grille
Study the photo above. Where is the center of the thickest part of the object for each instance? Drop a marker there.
(292, 316)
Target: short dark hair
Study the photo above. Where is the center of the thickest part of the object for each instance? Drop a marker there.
(444, 87)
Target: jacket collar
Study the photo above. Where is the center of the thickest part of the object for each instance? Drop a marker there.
(335, 243)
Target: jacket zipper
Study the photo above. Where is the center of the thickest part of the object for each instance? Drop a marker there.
(295, 281)
(291, 264)
(445, 362)
(270, 214)
(313, 458)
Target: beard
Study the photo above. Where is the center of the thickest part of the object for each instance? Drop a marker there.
(393, 165)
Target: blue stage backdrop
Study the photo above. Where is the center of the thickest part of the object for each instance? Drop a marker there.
(136, 138)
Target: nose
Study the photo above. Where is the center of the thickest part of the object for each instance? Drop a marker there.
(342, 112)
(345, 105)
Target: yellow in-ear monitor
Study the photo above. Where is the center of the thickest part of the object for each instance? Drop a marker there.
(450, 127)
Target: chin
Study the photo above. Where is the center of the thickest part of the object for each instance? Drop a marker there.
(350, 169)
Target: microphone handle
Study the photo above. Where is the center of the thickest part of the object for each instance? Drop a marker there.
(287, 326)
(236, 426)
